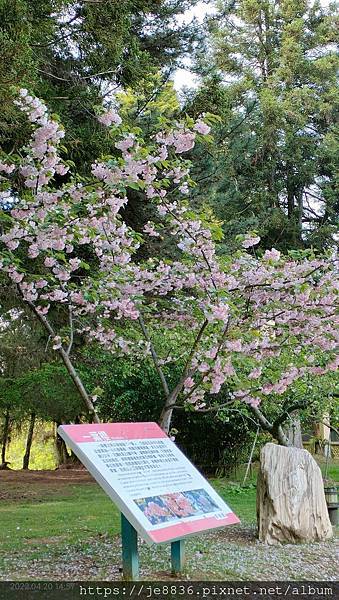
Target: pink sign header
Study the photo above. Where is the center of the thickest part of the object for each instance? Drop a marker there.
(113, 431)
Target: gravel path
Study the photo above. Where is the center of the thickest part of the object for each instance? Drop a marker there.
(230, 554)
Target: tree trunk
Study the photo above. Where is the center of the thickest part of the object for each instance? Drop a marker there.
(291, 506)
(5, 436)
(300, 213)
(61, 448)
(29, 440)
(275, 430)
(165, 419)
(74, 460)
(79, 385)
(290, 199)
(67, 362)
(293, 432)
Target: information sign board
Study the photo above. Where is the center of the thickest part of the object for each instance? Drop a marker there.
(151, 481)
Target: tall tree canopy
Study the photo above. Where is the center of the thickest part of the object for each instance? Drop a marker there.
(270, 72)
(75, 53)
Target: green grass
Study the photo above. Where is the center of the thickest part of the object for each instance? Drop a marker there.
(78, 513)
(81, 521)
(332, 473)
(242, 499)
(83, 512)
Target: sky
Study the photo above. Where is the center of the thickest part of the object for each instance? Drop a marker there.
(183, 77)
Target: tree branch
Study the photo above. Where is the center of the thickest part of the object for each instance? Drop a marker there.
(221, 343)
(265, 424)
(71, 337)
(194, 347)
(154, 356)
(66, 360)
(286, 413)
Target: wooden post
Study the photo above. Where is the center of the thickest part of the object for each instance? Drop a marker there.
(249, 464)
(177, 556)
(130, 558)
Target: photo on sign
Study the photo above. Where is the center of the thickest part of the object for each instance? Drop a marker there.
(180, 505)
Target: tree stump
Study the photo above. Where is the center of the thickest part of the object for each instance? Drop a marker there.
(291, 504)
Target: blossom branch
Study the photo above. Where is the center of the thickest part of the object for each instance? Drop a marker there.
(66, 360)
(70, 319)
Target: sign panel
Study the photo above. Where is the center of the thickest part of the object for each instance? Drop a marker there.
(152, 482)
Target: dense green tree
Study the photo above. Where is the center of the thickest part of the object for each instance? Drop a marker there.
(128, 391)
(74, 54)
(272, 81)
(270, 73)
(32, 387)
(41, 395)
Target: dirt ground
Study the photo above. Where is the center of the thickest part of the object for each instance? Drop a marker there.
(74, 475)
(20, 485)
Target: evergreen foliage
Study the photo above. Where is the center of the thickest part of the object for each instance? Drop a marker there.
(270, 73)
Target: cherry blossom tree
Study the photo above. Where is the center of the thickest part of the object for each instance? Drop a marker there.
(250, 322)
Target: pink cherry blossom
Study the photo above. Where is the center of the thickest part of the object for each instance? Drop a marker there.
(16, 277)
(149, 229)
(242, 315)
(110, 117)
(218, 312)
(202, 127)
(255, 373)
(6, 168)
(126, 143)
(56, 342)
(272, 254)
(234, 345)
(250, 241)
(183, 141)
(188, 383)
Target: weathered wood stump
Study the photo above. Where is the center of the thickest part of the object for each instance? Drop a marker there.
(291, 504)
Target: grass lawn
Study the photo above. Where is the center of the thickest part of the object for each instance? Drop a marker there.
(71, 515)
(76, 513)
(68, 530)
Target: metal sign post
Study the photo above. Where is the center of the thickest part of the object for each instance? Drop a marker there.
(130, 555)
(177, 556)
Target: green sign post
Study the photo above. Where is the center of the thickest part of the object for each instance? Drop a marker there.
(130, 555)
(177, 556)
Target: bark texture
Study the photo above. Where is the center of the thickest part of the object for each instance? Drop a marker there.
(291, 506)
(25, 463)
(294, 433)
(61, 448)
(5, 435)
